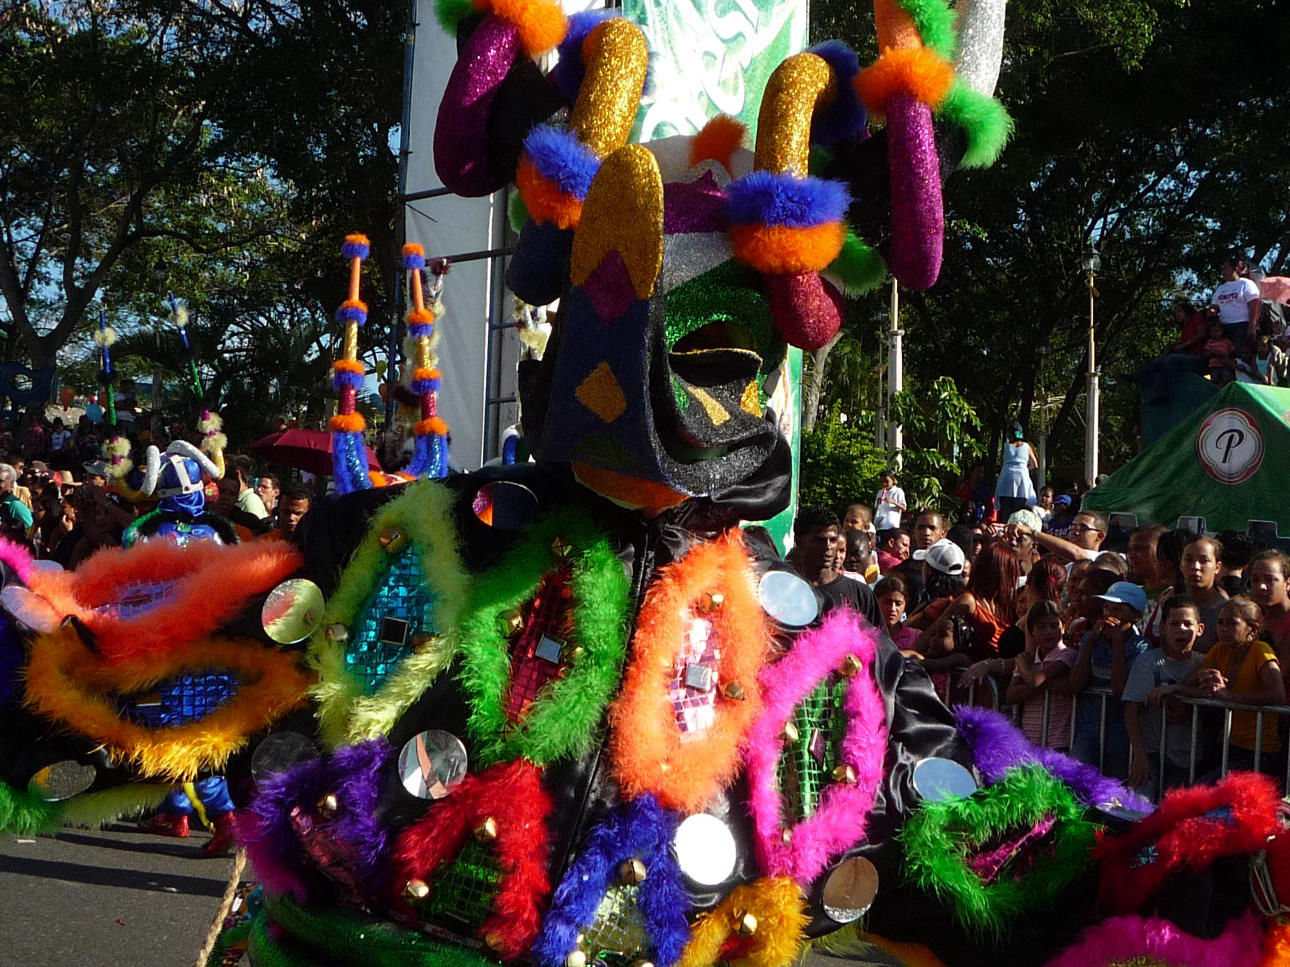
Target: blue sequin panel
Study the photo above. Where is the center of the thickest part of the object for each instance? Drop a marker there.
(400, 608)
(180, 700)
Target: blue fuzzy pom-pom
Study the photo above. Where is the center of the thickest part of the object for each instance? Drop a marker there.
(419, 330)
(351, 314)
(767, 198)
(342, 379)
(414, 260)
(423, 386)
(846, 116)
(355, 250)
(560, 157)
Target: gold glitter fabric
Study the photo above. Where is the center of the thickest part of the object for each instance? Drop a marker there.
(623, 213)
(784, 122)
(616, 58)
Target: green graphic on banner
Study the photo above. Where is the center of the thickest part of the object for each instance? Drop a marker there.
(711, 58)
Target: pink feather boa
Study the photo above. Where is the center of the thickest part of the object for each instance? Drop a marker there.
(17, 557)
(839, 822)
(1127, 938)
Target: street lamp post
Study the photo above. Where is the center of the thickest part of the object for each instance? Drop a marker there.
(1092, 263)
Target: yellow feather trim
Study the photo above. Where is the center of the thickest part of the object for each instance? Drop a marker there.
(777, 904)
(77, 688)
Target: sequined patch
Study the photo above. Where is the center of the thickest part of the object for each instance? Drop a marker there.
(617, 934)
(547, 622)
(131, 600)
(463, 892)
(400, 608)
(177, 701)
(806, 764)
(694, 706)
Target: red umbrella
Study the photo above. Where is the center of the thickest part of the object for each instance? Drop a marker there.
(303, 449)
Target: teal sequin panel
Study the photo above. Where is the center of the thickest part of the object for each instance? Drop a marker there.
(400, 607)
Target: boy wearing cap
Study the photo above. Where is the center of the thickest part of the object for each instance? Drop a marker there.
(1106, 653)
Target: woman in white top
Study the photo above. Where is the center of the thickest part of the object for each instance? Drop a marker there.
(890, 504)
(1014, 488)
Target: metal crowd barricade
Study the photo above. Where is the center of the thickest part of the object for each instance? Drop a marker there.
(1103, 694)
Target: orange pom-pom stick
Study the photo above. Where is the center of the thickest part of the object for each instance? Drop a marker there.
(718, 141)
(433, 425)
(782, 250)
(541, 23)
(544, 199)
(422, 373)
(349, 366)
(347, 423)
(921, 73)
(894, 27)
(413, 248)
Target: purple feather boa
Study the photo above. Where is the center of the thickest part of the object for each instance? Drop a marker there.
(353, 773)
(641, 829)
(998, 745)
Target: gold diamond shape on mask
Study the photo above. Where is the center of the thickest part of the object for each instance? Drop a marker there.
(601, 394)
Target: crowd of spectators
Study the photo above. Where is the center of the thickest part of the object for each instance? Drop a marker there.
(59, 499)
(1034, 617)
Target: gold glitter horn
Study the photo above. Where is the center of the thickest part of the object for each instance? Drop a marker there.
(800, 85)
(616, 57)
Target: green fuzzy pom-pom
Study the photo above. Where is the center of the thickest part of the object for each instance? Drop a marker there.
(24, 814)
(450, 13)
(935, 23)
(859, 266)
(517, 211)
(983, 119)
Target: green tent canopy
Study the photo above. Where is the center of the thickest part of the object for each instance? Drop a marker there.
(1228, 463)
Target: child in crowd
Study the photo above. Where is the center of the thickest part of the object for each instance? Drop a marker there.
(858, 562)
(1041, 676)
(859, 517)
(1220, 355)
(890, 504)
(1085, 602)
(1269, 574)
(1154, 677)
(893, 599)
(1106, 653)
(1240, 668)
(1201, 562)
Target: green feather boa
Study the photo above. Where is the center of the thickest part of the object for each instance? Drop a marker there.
(939, 835)
(343, 939)
(984, 121)
(22, 813)
(935, 23)
(859, 266)
(563, 720)
(345, 714)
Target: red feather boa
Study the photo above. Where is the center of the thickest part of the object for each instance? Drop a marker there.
(510, 793)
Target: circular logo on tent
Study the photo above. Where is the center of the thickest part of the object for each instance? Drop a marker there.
(1230, 446)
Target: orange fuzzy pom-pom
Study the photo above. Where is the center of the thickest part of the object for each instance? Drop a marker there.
(349, 366)
(544, 199)
(919, 72)
(423, 373)
(783, 250)
(541, 23)
(424, 316)
(357, 239)
(718, 141)
(431, 425)
(413, 248)
(347, 423)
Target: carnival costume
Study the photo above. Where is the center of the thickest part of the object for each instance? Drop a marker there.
(566, 712)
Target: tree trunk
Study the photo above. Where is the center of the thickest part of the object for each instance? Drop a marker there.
(813, 382)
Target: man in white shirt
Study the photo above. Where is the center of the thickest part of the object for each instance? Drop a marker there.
(1238, 305)
(1087, 532)
(247, 499)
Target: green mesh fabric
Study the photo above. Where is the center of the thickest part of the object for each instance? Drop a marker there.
(463, 892)
(400, 596)
(805, 765)
(617, 936)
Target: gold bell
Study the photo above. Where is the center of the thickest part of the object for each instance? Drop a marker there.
(509, 622)
(393, 540)
(786, 836)
(631, 872)
(789, 732)
(337, 633)
(576, 959)
(712, 601)
(851, 666)
(845, 773)
(415, 890)
(747, 925)
(733, 691)
(329, 805)
(486, 831)
(493, 940)
(561, 548)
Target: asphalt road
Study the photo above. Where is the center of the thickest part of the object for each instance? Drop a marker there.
(116, 897)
